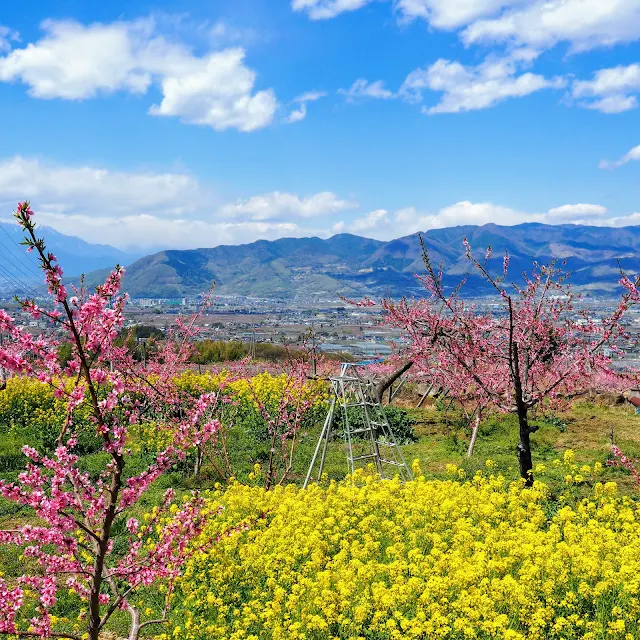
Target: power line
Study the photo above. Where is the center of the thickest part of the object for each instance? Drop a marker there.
(16, 265)
(17, 283)
(22, 253)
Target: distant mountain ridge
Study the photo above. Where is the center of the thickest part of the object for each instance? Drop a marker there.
(75, 255)
(351, 265)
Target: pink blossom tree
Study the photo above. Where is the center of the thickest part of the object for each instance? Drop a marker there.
(536, 347)
(73, 538)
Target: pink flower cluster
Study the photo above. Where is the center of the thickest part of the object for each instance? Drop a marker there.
(632, 465)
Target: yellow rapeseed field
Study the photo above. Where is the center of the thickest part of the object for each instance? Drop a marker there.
(454, 559)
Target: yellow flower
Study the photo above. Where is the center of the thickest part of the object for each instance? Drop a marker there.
(455, 559)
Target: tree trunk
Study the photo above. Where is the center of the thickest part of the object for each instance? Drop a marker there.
(198, 465)
(474, 435)
(523, 450)
(134, 631)
(383, 385)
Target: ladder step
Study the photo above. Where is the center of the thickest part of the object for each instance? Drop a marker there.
(395, 464)
(386, 444)
(354, 432)
(365, 457)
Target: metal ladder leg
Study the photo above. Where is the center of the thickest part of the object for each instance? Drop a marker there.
(324, 435)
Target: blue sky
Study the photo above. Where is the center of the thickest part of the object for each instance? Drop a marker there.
(196, 123)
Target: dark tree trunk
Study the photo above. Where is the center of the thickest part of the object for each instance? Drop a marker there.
(383, 385)
(523, 450)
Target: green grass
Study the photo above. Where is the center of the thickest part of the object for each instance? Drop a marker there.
(585, 428)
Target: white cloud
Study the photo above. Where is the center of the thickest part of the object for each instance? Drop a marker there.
(146, 210)
(467, 88)
(300, 112)
(384, 225)
(611, 90)
(149, 232)
(571, 212)
(216, 89)
(630, 156)
(222, 34)
(441, 14)
(450, 14)
(361, 88)
(7, 36)
(373, 219)
(54, 68)
(613, 104)
(297, 114)
(150, 210)
(461, 213)
(56, 187)
(278, 205)
(310, 96)
(325, 9)
(585, 24)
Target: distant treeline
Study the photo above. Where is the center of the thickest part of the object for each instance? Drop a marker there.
(212, 351)
(207, 351)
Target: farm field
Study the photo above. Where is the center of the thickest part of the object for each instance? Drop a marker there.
(258, 582)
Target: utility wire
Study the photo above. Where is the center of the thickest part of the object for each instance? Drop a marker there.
(18, 283)
(30, 282)
(32, 264)
(16, 265)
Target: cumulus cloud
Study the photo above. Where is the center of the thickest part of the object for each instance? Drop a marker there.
(466, 88)
(73, 188)
(441, 14)
(361, 88)
(461, 213)
(611, 90)
(150, 233)
(150, 210)
(572, 212)
(383, 225)
(450, 14)
(585, 24)
(216, 89)
(278, 205)
(630, 156)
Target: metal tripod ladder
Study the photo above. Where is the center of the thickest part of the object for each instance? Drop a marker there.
(373, 442)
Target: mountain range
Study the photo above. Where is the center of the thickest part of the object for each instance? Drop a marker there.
(350, 265)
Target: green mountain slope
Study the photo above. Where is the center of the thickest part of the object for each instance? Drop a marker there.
(349, 265)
